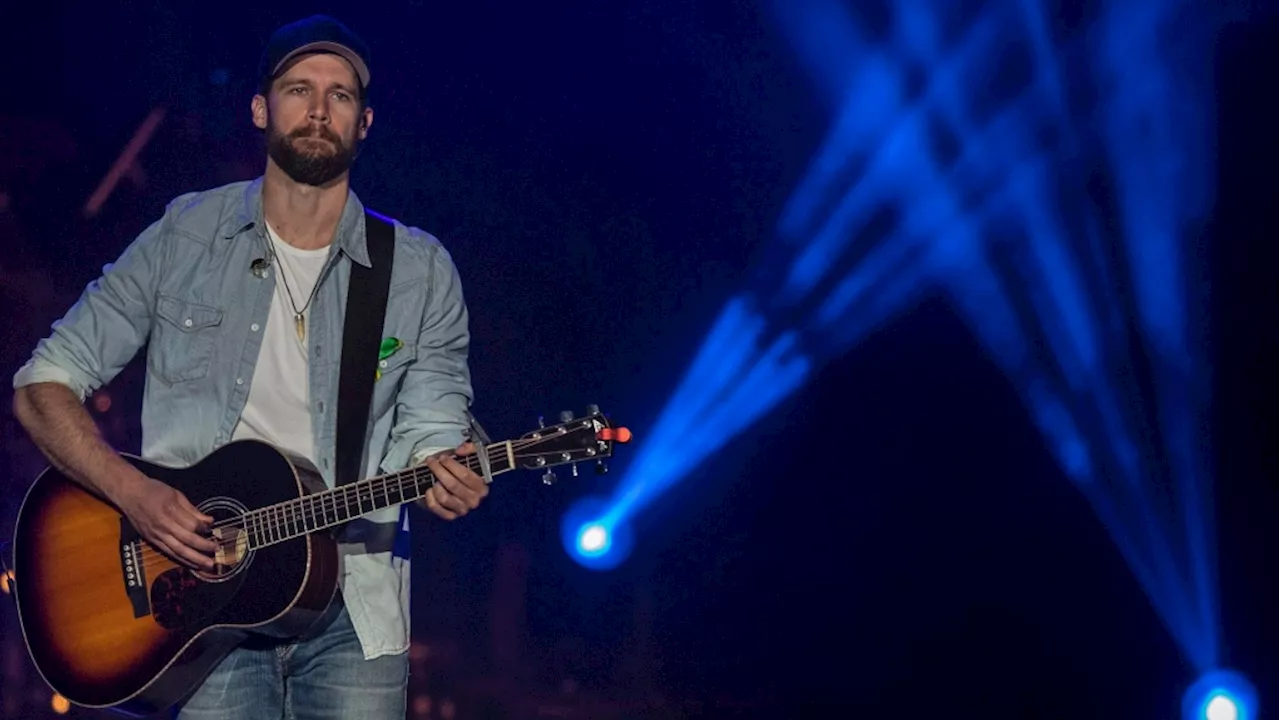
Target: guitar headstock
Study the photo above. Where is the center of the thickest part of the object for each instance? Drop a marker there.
(590, 437)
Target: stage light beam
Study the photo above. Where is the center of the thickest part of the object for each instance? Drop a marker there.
(1002, 219)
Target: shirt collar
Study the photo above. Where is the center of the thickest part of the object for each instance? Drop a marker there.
(350, 238)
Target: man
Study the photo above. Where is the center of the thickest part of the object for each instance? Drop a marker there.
(245, 349)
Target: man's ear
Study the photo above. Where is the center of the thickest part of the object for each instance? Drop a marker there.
(258, 109)
(366, 120)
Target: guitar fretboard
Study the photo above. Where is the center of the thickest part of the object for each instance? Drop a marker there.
(295, 518)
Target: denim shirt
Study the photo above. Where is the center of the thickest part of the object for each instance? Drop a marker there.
(184, 289)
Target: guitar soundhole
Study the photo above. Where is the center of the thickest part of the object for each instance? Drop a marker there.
(233, 554)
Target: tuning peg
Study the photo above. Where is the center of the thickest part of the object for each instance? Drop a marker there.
(593, 409)
(548, 478)
(566, 416)
(541, 422)
(574, 467)
(601, 468)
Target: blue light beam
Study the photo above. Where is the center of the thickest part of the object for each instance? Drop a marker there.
(986, 174)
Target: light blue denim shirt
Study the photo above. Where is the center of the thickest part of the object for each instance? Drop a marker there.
(184, 289)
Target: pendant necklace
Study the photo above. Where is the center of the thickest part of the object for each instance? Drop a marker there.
(299, 321)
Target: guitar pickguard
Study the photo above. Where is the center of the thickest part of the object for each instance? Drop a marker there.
(175, 601)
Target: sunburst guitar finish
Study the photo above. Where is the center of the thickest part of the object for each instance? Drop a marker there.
(110, 623)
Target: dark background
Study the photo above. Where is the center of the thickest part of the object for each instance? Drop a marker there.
(603, 174)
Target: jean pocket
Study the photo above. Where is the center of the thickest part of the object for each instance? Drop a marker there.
(183, 339)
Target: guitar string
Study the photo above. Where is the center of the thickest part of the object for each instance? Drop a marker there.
(277, 519)
(280, 519)
(277, 523)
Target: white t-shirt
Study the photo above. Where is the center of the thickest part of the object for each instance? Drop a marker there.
(278, 409)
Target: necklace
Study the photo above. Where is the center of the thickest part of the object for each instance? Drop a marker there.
(299, 321)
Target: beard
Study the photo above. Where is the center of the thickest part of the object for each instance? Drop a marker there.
(312, 163)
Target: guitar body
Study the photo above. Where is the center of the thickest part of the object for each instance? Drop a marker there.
(112, 624)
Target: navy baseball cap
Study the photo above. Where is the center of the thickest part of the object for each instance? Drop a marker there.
(318, 33)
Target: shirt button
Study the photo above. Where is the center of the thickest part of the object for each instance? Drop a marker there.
(239, 381)
(254, 327)
(382, 363)
(317, 351)
(187, 322)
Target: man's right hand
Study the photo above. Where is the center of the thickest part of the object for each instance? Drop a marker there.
(166, 519)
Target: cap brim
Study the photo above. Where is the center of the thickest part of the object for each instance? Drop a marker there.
(324, 46)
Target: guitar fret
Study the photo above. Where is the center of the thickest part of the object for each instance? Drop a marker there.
(312, 513)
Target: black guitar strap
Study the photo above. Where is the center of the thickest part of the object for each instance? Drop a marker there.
(361, 338)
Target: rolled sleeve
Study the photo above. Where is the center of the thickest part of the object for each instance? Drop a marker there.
(107, 326)
(431, 407)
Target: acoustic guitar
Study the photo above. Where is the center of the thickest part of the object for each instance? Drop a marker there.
(112, 624)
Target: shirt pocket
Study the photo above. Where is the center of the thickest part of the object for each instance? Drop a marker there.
(390, 377)
(183, 340)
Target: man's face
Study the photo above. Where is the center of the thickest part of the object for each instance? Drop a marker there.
(313, 119)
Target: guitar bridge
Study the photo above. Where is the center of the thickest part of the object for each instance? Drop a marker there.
(133, 570)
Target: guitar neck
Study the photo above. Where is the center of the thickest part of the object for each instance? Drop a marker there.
(330, 508)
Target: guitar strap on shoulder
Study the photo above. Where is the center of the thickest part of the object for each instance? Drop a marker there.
(361, 338)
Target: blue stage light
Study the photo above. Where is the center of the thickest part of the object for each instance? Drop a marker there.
(593, 539)
(1056, 224)
(1220, 695)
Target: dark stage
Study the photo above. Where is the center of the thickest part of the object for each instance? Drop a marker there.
(896, 538)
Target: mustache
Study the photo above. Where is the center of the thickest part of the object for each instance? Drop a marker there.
(319, 131)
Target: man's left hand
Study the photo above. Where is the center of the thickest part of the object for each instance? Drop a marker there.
(457, 490)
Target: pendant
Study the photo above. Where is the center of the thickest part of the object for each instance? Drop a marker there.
(300, 325)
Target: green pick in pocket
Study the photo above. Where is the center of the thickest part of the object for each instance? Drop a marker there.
(390, 346)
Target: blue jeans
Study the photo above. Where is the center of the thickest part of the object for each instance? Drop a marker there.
(324, 677)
